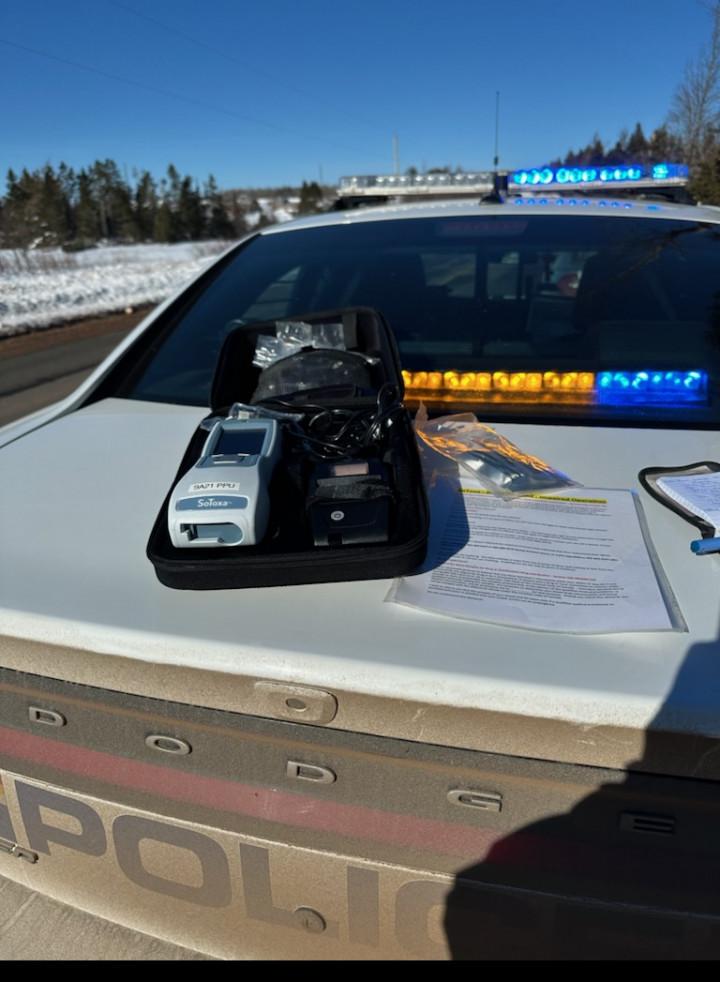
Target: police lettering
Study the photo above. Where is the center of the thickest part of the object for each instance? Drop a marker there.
(424, 910)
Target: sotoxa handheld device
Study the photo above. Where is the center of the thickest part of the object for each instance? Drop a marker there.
(224, 499)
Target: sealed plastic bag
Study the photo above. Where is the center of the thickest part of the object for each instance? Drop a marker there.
(482, 453)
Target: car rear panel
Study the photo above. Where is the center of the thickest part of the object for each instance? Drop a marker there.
(245, 837)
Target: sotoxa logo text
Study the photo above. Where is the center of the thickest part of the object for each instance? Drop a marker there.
(212, 501)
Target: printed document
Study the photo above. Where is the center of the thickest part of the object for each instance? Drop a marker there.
(578, 560)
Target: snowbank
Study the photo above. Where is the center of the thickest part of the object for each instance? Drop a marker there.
(43, 288)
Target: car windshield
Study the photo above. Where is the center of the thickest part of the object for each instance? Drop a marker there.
(571, 317)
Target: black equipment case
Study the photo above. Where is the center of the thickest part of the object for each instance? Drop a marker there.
(346, 408)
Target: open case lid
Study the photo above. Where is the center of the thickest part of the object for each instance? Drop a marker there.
(365, 358)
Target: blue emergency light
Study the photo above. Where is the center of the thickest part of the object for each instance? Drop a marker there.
(631, 174)
(673, 388)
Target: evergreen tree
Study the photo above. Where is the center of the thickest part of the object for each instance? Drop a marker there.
(87, 213)
(310, 198)
(637, 146)
(218, 221)
(664, 147)
(114, 200)
(76, 210)
(145, 206)
(593, 155)
(163, 226)
(595, 152)
(234, 208)
(69, 189)
(54, 213)
(16, 215)
(171, 196)
(190, 220)
(618, 154)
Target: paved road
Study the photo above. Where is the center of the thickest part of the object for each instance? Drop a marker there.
(35, 928)
(41, 367)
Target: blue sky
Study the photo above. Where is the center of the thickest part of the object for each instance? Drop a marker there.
(281, 92)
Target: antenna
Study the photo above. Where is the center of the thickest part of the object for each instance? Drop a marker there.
(497, 125)
(500, 184)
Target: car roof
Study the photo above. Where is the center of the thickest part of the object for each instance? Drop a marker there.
(541, 204)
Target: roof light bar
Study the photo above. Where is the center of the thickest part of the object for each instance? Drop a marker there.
(602, 388)
(482, 182)
(600, 176)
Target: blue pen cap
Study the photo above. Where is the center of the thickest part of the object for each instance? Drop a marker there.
(701, 546)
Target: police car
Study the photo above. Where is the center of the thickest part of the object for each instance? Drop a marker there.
(316, 770)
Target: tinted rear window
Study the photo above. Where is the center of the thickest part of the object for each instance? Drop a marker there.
(571, 317)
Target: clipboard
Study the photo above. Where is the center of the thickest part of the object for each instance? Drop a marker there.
(649, 476)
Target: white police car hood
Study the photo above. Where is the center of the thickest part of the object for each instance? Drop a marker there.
(79, 494)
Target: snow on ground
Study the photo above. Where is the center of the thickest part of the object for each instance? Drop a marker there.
(42, 288)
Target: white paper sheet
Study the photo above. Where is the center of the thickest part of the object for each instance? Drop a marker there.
(571, 561)
(698, 493)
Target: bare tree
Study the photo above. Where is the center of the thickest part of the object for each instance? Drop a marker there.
(695, 111)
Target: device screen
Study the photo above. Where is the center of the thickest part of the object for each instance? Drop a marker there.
(240, 441)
